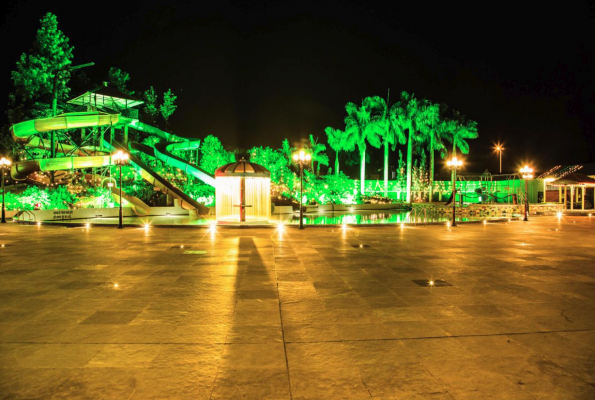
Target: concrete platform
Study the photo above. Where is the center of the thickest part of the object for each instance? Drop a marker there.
(319, 313)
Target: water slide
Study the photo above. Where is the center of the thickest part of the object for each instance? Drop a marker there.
(24, 130)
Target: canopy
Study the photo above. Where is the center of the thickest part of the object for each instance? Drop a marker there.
(106, 97)
(574, 179)
(243, 168)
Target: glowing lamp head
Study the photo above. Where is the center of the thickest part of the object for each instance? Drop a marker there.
(146, 226)
(527, 172)
(4, 162)
(120, 158)
(455, 163)
(295, 157)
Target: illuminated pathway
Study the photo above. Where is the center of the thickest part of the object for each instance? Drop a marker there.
(255, 313)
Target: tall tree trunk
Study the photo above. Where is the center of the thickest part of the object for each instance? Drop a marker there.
(337, 163)
(409, 162)
(431, 167)
(386, 168)
(362, 170)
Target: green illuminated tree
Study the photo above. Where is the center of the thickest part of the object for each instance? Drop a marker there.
(384, 122)
(339, 141)
(213, 155)
(405, 116)
(433, 131)
(33, 78)
(119, 79)
(168, 107)
(334, 137)
(462, 130)
(151, 108)
(356, 125)
(287, 151)
(401, 172)
(318, 154)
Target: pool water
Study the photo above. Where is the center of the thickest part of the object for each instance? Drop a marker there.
(328, 218)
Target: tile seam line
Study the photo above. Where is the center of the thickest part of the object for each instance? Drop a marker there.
(282, 327)
(445, 337)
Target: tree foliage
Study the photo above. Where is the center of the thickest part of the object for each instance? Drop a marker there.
(168, 106)
(151, 107)
(213, 155)
(33, 78)
(119, 79)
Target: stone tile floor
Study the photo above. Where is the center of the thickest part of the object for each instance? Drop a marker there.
(107, 313)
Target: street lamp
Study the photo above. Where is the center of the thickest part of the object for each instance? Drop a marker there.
(4, 165)
(55, 107)
(120, 159)
(301, 158)
(527, 174)
(499, 148)
(454, 166)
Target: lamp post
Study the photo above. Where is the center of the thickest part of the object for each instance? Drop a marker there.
(55, 108)
(120, 159)
(301, 158)
(527, 174)
(4, 165)
(454, 166)
(499, 149)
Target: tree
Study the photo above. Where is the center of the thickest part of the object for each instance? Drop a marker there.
(356, 125)
(33, 78)
(213, 155)
(151, 108)
(384, 124)
(433, 130)
(405, 116)
(168, 107)
(119, 79)
(318, 155)
(462, 130)
(401, 172)
(287, 151)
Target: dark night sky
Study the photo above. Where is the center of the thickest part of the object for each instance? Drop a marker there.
(253, 73)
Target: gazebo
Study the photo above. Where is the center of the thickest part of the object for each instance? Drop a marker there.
(575, 181)
(243, 192)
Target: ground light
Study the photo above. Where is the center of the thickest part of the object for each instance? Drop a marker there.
(280, 226)
(431, 283)
(527, 175)
(4, 166)
(147, 226)
(301, 158)
(454, 165)
(559, 214)
(87, 225)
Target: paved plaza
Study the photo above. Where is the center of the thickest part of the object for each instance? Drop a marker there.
(321, 313)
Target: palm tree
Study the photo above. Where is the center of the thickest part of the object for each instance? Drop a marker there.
(357, 127)
(335, 137)
(405, 115)
(460, 131)
(382, 124)
(433, 131)
(287, 151)
(318, 154)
